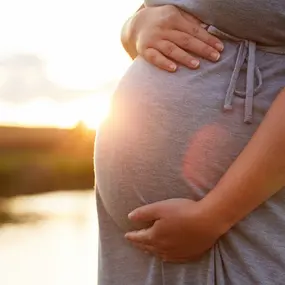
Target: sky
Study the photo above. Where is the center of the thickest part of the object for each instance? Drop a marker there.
(79, 41)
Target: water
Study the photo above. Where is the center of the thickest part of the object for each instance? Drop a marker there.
(54, 241)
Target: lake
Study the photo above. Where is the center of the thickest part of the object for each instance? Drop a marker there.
(50, 240)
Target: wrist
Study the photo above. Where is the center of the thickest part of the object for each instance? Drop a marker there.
(218, 215)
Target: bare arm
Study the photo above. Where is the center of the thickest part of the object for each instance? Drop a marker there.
(256, 175)
(183, 230)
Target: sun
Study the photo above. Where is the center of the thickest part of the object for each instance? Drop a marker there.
(95, 109)
(91, 110)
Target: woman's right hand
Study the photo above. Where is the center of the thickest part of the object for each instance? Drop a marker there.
(166, 35)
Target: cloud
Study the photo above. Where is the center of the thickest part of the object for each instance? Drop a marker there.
(23, 78)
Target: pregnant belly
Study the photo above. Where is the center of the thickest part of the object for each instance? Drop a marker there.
(166, 137)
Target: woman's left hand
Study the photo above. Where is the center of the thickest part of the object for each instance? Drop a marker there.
(182, 231)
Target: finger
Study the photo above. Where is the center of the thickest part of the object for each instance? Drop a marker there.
(148, 248)
(151, 212)
(204, 26)
(172, 51)
(141, 236)
(141, 246)
(194, 45)
(147, 213)
(154, 57)
(199, 32)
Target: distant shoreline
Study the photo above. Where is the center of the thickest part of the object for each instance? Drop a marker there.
(36, 160)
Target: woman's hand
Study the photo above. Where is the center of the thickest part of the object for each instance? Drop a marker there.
(166, 35)
(182, 231)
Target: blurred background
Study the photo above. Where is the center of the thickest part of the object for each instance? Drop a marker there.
(60, 62)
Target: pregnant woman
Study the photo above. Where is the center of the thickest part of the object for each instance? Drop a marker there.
(214, 139)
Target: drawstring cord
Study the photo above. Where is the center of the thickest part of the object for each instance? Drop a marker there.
(246, 54)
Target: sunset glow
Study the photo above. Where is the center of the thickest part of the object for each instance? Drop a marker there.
(79, 43)
(44, 112)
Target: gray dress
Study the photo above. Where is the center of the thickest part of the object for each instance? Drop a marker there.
(175, 135)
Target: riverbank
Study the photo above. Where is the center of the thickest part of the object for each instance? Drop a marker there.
(37, 160)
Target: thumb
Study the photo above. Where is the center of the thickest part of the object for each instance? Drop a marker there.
(145, 213)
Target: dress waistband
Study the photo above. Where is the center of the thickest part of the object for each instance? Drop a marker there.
(246, 55)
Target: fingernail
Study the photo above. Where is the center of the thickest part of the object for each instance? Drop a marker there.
(131, 214)
(215, 56)
(195, 63)
(219, 46)
(172, 67)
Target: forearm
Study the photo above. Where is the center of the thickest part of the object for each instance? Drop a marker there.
(256, 175)
(128, 35)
